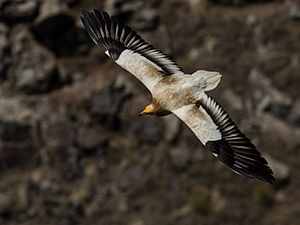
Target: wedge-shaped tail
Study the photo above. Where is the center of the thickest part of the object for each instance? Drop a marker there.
(208, 80)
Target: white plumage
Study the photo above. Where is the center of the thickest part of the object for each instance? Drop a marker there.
(180, 93)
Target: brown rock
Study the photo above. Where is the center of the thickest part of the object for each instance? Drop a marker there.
(172, 127)
(280, 169)
(16, 133)
(294, 8)
(4, 50)
(91, 138)
(6, 206)
(33, 69)
(18, 11)
(180, 156)
(56, 29)
(146, 19)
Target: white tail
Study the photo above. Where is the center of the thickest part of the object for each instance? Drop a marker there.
(208, 80)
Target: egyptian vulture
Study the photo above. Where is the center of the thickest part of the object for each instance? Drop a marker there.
(173, 91)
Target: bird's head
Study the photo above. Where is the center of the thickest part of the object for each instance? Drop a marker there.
(149, 110)
(154, 109)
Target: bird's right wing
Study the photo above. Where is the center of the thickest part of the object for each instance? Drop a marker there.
(215, 129)
(128, 49)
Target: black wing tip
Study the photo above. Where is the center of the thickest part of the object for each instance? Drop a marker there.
(251, 166)
(114, 36)
(101, 27)
(97, 16)
(84, 15)
(90, 16)
(85, 12)
(271, 179)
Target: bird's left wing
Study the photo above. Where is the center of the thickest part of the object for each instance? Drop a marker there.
(215, 129)
(128, 49)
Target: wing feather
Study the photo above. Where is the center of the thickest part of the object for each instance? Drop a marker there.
(223, 138)
(113, 36)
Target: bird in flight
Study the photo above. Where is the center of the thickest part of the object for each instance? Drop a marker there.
(174, 91)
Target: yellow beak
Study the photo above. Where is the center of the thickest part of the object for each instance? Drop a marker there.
(145, 111)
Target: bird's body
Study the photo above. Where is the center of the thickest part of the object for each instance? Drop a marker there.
(185, 89)
(173, 91)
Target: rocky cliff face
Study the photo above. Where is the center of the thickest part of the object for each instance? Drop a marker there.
(73, 151)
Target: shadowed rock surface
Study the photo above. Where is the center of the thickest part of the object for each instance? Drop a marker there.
(74, 151)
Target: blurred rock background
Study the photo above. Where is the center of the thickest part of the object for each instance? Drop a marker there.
(73, 151)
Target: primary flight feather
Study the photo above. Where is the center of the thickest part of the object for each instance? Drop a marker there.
(173, 91)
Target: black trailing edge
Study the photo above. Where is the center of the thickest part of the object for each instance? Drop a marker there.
(235, 150)
(113, 36)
